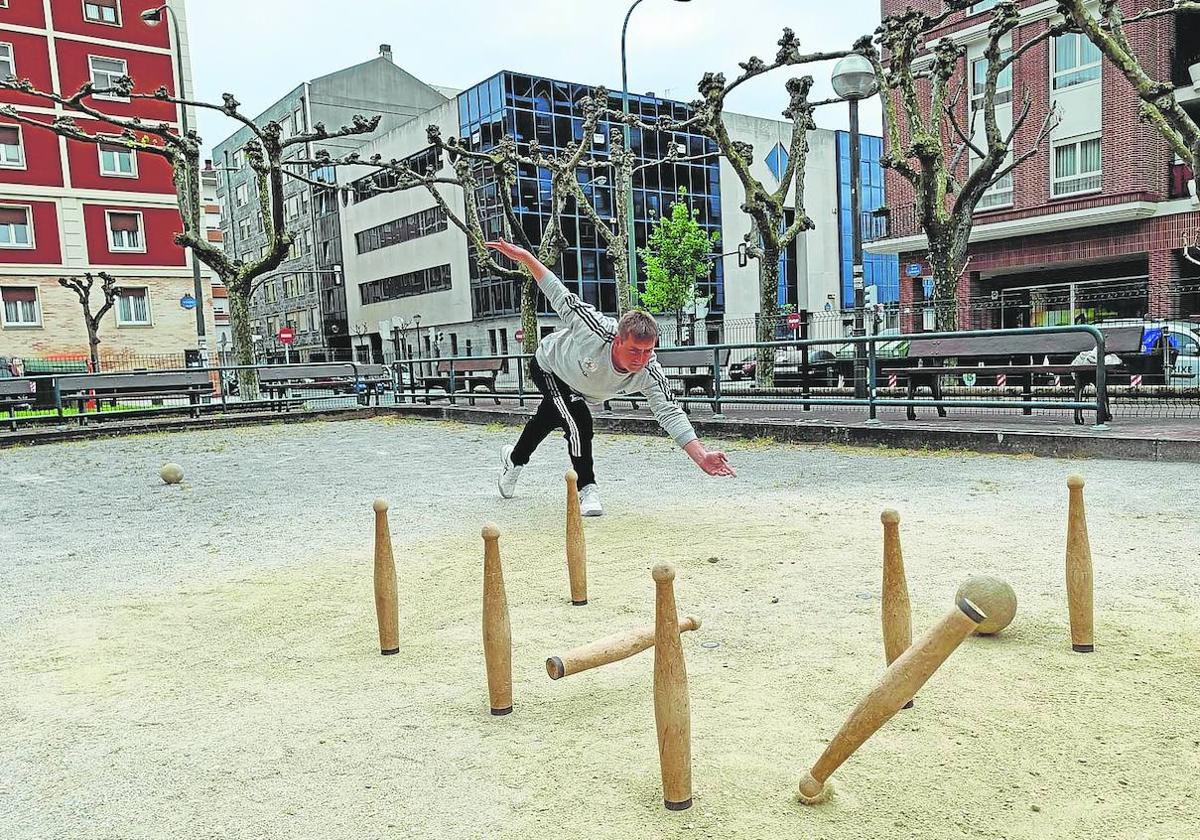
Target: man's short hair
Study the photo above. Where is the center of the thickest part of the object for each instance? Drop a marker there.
(638, 324)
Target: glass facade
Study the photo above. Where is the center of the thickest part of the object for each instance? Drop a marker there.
(879, 270)
(533, 108)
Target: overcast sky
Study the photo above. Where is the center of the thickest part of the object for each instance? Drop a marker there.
(260, 49)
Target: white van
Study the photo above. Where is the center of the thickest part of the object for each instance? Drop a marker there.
(1184, 337)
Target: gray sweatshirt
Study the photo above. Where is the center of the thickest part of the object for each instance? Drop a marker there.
(580, 354)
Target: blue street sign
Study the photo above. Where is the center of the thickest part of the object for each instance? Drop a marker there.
(187, 302)
(913, 269)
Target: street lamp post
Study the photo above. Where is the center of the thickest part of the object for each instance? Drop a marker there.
(631, 243)
(854, 79)
(153, 17)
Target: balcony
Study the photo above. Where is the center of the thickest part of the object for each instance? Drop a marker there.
(1181, 179)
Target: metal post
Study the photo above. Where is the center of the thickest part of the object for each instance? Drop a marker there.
(1101, 385)
(631, 238)
(872, 420)
(860, 384)
(197, 281)
(716, 363)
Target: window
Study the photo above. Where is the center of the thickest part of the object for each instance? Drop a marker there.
(245, 228)
(239, 159)
(125, 231)
(982, 6)
(1076, 61)
(1077, 167)
(298, 119)
(422, 223)
(8, 67)
(102, 11)
(999, 194)
(435, 279)
(117, 161)
(133, 308)
(105, 73)
(242, 194)
(20, 306)
(12, 156)
(979, 68)
(15, 228)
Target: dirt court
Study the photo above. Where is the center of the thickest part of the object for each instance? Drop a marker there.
(201, 661)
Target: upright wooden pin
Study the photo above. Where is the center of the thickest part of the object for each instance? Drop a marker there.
(671, 713)
(612, 648)
(899, 683)
(387, 610)
(497, 633)
(897, 613)
(576, 547)
(1079, 569)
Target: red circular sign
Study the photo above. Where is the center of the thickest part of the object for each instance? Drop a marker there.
(793, 321)
(287, 335)
(519, 335)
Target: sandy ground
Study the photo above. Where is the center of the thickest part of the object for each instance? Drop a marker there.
(201, 661)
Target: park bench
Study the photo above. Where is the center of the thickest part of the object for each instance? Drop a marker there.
(362, 380)
(998, 358)
(469, 374)
(14, 393)
(692, 367)
(83, 388)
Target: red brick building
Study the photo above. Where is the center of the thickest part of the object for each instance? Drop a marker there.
(68, 207)
(1090, 228)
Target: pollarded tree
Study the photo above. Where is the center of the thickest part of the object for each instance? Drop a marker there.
(472, 170)
(82, 287)
(676, 257)
(264, 152)
(767, 207)
(1159, 107)
(921, 95)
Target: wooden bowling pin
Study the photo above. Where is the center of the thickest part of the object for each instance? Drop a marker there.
(387, 610)
(899, 683)
(497, 633)
(671, 714)
(897, 613)
(612, 648)
(1079, 569)
(576, 547)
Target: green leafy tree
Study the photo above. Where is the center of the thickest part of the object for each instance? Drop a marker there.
(676, 257)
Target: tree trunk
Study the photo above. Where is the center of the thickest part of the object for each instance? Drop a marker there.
(243, 343)
(768, 288)
(93, 345)
(529, 315)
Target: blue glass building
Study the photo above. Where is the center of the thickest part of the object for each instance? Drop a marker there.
(879, 270)
(550, 112)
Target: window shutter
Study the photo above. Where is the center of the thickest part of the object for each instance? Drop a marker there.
(13, 216)
(19, 293)
(10, 135)
(123, 221)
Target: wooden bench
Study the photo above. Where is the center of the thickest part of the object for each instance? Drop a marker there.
(469, 374)
(337, 377)
(1004, 356)
(82, 388)
(14, 393)
(692, 367)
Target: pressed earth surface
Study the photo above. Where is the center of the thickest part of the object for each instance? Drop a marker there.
(201, 660)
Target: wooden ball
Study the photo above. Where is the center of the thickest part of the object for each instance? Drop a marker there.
(995, 598)
(171, 473)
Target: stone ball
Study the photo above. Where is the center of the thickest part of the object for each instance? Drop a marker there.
(171, 473)
(995, 597)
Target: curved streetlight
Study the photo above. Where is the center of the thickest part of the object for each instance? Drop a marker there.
(629, 234)
(854, 79)
(153, 17)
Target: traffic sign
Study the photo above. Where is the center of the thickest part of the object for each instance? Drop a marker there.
(913, 269)
(793, 321)
(187, 302)
(287, 335)
(519, 335)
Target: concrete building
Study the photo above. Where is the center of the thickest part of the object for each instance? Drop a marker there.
(68, 207)
(1091, 229)
(306, 292)
(413, 288)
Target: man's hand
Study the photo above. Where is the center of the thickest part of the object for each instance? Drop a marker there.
(513, 252)
(713, 463)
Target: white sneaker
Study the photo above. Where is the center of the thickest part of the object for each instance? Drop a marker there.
(589, 501)
(509, 473)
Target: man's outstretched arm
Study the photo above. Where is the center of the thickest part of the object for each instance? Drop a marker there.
(713, 463)
(576, 313)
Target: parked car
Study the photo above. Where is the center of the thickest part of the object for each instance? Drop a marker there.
(1183, 341)
(826, 362)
